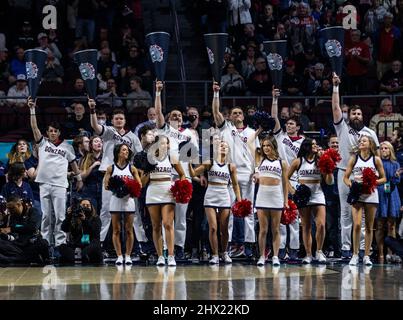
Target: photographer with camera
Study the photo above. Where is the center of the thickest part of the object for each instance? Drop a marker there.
(83, 226)
(20, 239)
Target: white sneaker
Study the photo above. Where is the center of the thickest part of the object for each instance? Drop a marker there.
(171, 261)
(354, 260)
(320, 257)
(275, 261)
(261, 261)
(367, 261)
(214, 260)
(161, 261)
(226, 258)
(119, 260)
(396, 258)
(128, 260)
(307, 260)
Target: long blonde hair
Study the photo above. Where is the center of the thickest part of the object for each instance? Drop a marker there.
(15, 156)
(392, 156)
(372, 145)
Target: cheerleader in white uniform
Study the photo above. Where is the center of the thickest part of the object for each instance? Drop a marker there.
(159, 199)
(272, 196)
(121, 168)
(309, 175)
(369, 202)
(217, 197)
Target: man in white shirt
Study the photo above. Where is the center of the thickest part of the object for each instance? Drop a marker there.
(54, 155)
(20, 89)
(242, 142)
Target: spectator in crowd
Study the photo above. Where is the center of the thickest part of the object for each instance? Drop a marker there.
(305, 60)
(315, 77)
(357, 61)
(53, 70)
(16, 186)
(137, 61)
(239, 13)
(374, 17)
(85, 17)
(247, 37)
(141, 98)
(78, 123)
(232, 83)
(392, 80)
(389, 202)
(292, 82)
(109, 98)
(297, 111)
(385, 129)
(151, 121)
(4, 66)
(325, 89)
(281, 32)
(45, 44)
(387, 45)
(25, 39)
(105, 63)
(105, 44)
(248, 62)
(284, 116)
(20, 89)
(216, 14)
(259, 82)
(17, 64)
(267, 23)
(81, 145)
(92, 177)
(77, 90)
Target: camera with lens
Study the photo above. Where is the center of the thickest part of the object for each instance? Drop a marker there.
(77, 210)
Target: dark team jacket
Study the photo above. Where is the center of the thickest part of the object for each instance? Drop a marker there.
(90, 227)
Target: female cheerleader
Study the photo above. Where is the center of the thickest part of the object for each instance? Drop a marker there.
(309, 175)
(159, 199)
(217, 197)
(121, 167)
(272, 196)
(369, 202)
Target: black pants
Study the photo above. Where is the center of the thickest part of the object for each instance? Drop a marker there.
(197, 209)
(395, 245)
(15, 252)
(92, 253)
(332, 239)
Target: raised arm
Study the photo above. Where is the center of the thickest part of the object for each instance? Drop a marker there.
(337, 114)
(217, 115)
(158, 105)
(94, 123)
(34, 125)
(274, 108)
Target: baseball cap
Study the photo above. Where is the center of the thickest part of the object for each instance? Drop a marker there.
(21, 77)
(42, 35)
(3, 49)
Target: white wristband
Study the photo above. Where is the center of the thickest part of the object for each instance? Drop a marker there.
(158, 93)
(336, 89)
(216, 94)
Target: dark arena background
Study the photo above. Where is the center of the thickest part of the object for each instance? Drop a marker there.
(207, 156)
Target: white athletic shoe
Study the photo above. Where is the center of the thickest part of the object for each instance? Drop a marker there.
(354, 260)
(226, 258)
(161, 261)
(171, 261)
(307, 260)
(214, 260)
(128, 260)
(261, 261)
(119, 260)
(320, 257)
(275, 261)
(367, 261)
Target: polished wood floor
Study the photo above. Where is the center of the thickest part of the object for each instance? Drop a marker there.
(188, 282)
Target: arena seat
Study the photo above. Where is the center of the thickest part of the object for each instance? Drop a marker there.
(7, 119)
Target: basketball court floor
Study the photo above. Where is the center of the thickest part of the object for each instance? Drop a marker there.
(203, 282)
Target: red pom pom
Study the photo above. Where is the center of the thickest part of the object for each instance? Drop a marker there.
(326, 164)
(133, 187)
(334, 154)
(182, 191)
(289, 215)
(368, 181)
(242, 208)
